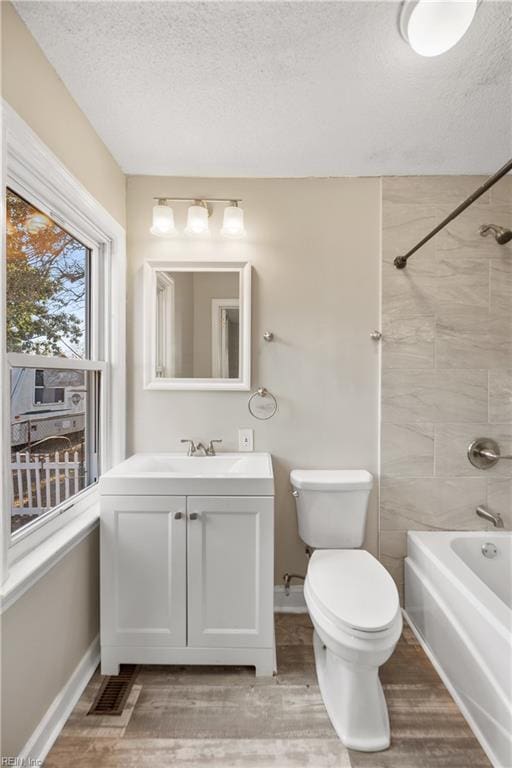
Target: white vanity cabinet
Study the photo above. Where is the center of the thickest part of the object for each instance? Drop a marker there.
(230, 571)
(187, 580)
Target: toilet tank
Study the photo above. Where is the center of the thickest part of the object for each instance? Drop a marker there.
(331, 506)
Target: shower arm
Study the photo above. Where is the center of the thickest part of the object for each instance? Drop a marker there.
(401, 261)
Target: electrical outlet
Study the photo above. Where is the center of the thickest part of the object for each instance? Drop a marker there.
(246, 439)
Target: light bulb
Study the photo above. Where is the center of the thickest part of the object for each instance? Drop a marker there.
(197, 220)
(432, 27)
(163, 220)
(233, 223)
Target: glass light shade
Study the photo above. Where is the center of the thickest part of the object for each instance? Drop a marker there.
(197, 220)
(233, 223)
(163, 221)
(432, 27)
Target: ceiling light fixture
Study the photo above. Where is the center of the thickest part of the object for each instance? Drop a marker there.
(233, 223)
(163, 219)
(432, 27)
(197, 216)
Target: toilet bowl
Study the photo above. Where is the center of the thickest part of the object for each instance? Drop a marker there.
(352, 602)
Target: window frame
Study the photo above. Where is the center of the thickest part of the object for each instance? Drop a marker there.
(32, 171)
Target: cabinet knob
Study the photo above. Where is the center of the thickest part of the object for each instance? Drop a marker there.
(178, 515)
(193, 515)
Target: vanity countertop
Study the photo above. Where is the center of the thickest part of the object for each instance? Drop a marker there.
(233, 474)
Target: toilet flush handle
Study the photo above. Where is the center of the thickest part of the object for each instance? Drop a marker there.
(295, 492)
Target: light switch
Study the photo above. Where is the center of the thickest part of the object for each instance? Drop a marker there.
(245, 439)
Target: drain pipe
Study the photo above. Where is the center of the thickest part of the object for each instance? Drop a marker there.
(287, 578)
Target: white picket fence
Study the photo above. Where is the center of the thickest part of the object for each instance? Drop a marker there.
(41, 482)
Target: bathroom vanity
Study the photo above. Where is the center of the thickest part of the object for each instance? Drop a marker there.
(187, 550)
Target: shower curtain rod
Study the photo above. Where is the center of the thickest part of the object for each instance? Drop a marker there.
(401, 261)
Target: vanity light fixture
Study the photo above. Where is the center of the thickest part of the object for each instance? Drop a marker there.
(233, 223)
(432, 27)
(197, 216)
(163, 219)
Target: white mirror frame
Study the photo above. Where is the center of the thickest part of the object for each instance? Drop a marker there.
(151, 271)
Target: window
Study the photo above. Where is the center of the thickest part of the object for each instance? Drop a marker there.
(62, 310)
(54, 409)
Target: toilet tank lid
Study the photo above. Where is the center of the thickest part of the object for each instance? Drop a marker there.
(331, 479)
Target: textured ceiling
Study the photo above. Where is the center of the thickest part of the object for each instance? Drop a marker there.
(280, 88)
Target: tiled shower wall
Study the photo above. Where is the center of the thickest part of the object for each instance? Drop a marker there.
(446, 360)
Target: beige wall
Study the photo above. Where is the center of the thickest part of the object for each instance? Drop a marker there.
(446, 359)
(47, 631)
(44, 636)
(35, 91)
(314, 246)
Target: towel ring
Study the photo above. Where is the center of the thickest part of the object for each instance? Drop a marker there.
(262, 404)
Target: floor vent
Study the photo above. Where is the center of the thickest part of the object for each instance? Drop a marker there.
(111, 697)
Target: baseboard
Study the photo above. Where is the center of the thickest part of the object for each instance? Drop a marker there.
(452, 691)
(39, 744)
(292, 603)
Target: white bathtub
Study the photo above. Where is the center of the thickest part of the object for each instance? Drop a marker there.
(459, 604)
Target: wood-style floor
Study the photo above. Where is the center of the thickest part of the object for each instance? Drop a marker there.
(223, 717)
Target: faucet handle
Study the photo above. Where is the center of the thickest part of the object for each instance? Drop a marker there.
(191, 446)
(211, 447)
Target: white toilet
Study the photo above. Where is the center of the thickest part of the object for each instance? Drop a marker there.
(352, 601)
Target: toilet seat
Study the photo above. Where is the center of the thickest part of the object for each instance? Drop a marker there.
(354, 591)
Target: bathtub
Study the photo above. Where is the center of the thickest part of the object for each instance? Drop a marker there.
(459, 604)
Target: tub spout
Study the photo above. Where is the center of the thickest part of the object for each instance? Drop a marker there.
(493, 517)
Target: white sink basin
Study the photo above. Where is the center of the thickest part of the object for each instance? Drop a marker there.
(241, 474)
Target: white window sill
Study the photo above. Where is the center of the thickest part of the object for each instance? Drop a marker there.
(25, 572)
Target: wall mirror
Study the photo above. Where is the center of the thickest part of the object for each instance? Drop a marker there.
(197, 318)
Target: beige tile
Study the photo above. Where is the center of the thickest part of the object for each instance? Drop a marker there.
(448, 395)
(471, 338)
(407, 450)
(501, 285)
(406, 293)
(461, 238)
(408, 396)
(403, 225)
(393, 548)
(461, 281)
(501, 193)
(452, 441)
(499, 499)
(500, 396)
(431, 503)
(432, 190)
(408, 342)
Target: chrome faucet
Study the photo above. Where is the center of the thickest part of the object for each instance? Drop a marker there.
(194, 449)
(191, 447)
(493, 517)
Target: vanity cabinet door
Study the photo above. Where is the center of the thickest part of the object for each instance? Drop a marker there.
(230, 571)
(143, 570)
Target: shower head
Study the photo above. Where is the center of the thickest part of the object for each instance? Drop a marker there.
(501, 234)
